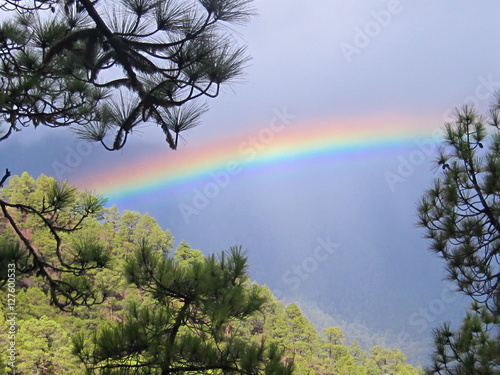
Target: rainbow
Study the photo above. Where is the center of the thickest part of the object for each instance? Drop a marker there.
(281, 141)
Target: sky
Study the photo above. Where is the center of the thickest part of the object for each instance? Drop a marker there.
(315, 159)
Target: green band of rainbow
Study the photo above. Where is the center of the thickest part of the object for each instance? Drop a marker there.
(265, 146)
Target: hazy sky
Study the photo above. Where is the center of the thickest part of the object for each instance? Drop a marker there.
(322, 60)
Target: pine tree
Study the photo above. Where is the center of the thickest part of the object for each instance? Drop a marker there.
(186, 329)
(461, 211)
(105, 67)
(275, 319)
(334, 345)
(302, 333)
(37, 217)
(44, 347)
(357, 352)
(389, 361)
(461, 216)
(184, 256)
(230, 325)
(474, 349)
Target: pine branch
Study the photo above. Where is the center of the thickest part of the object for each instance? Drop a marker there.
(5, 177)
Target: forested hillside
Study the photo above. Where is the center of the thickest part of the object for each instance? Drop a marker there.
(155, 304)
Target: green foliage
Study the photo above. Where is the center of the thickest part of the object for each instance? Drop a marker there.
(334, 346)
(105, 67)
(37, 217)
(43, 346)
(301, 333)
(164, 311)
(186, 326)
(461, 211)
(473, 349)
(324, 354)
(461, 216)
(185, 256)
(124, 232)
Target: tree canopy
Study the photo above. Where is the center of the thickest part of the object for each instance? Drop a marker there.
(461, 217)
(165, 309)
(186, 328)
(461, 212)
(37, 218)
(105, 67)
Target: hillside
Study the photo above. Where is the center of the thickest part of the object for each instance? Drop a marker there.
(52, 341)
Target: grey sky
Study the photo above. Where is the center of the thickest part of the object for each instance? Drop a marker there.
(413, 58)
(426, 57)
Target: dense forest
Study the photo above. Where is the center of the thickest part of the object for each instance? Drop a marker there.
(138, 279)
(87, 289)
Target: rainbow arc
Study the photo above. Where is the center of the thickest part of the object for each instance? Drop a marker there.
(261, 148)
